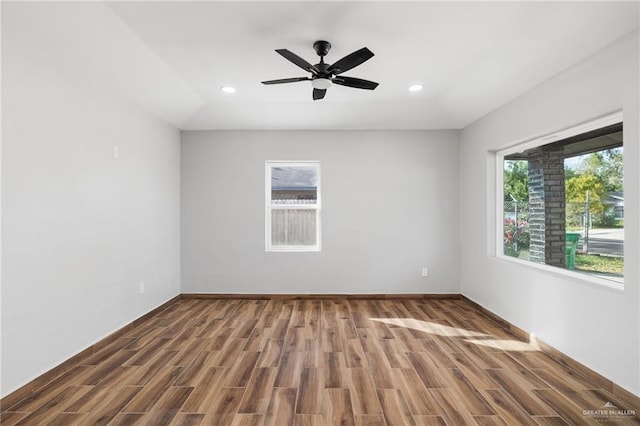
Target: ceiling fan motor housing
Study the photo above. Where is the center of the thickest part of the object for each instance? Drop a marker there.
(322, 47)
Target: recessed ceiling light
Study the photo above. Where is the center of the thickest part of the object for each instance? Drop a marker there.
(415, 88)
(228, 89)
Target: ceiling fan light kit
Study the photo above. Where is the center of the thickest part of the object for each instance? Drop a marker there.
(324, 75)
(321, 83)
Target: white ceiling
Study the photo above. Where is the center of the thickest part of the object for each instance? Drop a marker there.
(171, 58)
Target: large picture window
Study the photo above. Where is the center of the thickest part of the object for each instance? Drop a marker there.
(293, 206)
(562, 200)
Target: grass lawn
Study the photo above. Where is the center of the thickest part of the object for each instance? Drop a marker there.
(605, 264)
(592, 263)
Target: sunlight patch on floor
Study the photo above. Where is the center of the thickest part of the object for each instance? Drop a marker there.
(506, 345)
(430, 327)
(481, 339)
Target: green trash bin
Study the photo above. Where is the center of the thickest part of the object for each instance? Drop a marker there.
(571, 243)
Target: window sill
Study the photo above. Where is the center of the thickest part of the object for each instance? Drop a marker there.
(586, 278)
(293, 249)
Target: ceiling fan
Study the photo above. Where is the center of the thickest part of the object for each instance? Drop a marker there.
(324, 75)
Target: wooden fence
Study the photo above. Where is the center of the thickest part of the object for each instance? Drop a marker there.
(293, 226)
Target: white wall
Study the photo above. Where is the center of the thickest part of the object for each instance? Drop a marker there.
(80, 229)
(390, 207)
(595, 325)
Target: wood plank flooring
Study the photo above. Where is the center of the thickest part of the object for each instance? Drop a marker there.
(318, 362)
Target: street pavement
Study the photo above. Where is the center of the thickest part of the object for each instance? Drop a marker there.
(604, 241)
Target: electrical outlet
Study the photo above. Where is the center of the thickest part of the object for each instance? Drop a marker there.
(116, 152)
(141, 287)
(425, 272)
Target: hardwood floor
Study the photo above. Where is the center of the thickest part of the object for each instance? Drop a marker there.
(318, 362)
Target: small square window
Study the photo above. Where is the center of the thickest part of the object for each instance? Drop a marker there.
(293, 206)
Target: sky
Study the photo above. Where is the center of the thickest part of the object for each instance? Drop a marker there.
(295, 176)
(573, 162)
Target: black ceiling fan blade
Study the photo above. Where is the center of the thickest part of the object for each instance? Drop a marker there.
(358, 83)
(292, 57)
(319, 93)
(286, 80)
(350, 61)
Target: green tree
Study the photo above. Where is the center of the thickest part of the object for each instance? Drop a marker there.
(569, 173)
(600, 172)
(576, 195)
(516, 180)
(607, 165)
(577, 187)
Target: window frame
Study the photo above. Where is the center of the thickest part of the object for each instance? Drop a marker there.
(269, 207)
(524, 145)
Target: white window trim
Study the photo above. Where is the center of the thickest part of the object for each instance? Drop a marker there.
(269, 207)
(598, 123)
